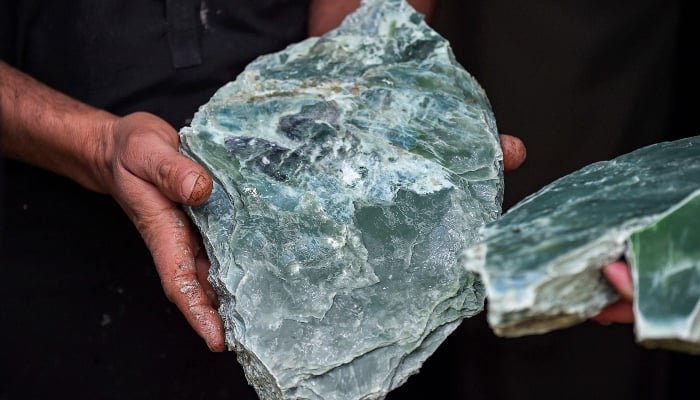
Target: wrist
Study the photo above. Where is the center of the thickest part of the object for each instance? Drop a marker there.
(50, 130)
(97, 152)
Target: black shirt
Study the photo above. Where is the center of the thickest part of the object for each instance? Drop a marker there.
(161, 56)
(82, 309)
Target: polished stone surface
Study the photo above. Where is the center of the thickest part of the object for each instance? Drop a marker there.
(665, 261)
(541, 261)
(350, 172)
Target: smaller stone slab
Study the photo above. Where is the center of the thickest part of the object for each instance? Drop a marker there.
(541, 261)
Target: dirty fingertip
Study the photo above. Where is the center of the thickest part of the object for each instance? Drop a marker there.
(196, 188)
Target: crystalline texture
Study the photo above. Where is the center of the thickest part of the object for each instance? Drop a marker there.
(541, 261)
(350, 171)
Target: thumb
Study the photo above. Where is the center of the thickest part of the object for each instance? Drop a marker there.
(176, 176)
(150, 153)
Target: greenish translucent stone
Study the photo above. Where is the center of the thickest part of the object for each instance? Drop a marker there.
(350, 171)
(541, 261)
(665, 261)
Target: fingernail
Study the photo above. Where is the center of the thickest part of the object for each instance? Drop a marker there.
(193, 187)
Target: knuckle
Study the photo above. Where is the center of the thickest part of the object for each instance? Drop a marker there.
(130, 148)
(166, 171)
(135, 138)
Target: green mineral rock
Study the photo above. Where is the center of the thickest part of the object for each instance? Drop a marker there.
(665, 260)
(350, 172)
(540, 262)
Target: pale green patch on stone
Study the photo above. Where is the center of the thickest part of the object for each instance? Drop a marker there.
(665, 261)
(541, 261)
(350, 171)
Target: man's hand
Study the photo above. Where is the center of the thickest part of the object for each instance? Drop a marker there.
(618, 273)
(135, 159)
(148, 178)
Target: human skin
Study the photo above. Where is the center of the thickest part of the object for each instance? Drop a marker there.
(135, 159)
(132, 158)
(618, 274)
(327, 14)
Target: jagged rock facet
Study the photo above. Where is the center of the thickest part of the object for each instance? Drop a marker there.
(350, 172)
(665, 261)
(541, 261)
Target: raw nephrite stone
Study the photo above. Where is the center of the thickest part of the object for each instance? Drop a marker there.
(540, 262)
(665, 260)
(350, 172)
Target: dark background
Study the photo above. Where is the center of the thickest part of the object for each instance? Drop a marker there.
(578, 80)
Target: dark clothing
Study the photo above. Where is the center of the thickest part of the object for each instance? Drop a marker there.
(83, 315)
(580, 81)
(82, 310)
(162, 56)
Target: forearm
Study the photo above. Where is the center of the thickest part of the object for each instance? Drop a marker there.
(133, 158)
(48, 129)
(325, 15)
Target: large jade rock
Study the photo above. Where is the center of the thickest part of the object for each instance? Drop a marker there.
(541, 261)
(350, 172)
